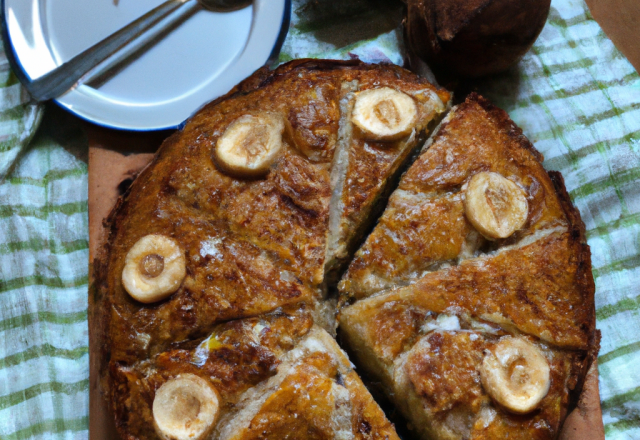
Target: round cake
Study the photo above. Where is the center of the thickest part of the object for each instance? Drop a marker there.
(231, 255)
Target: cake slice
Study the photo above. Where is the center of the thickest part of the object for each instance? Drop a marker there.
(277, 376)
(472, 301)
(430, 365)
(367, 158)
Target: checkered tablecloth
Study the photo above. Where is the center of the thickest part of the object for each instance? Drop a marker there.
(575, 96)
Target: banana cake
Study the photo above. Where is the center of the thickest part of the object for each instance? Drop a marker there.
(233, 259)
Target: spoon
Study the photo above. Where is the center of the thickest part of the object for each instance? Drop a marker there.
(109, 53)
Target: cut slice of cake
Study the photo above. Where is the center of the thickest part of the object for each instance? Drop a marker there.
(367, 159)
(272, 377)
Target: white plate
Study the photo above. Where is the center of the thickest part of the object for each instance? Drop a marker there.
(201, 59)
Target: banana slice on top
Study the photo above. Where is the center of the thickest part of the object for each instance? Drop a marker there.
(384, 114)
(250, 145)
(495, 205)
(185, 408)
(516, 374)
(153, 268)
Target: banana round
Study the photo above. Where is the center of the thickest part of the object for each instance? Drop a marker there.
(185, 408)
(250, 145)
(384, 114)
(153, 269)
(495, 206)
(516, 374)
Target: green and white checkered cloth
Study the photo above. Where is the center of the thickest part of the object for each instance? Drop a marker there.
(44, 360)
(575, 96)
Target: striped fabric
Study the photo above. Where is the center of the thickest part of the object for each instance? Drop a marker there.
(18, 119)
(574, 94)
(44, 361)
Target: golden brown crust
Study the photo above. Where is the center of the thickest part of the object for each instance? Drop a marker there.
(373, 162)
(436, 372)
(296, 413)
(444, 371)
(368, 422)
(534, 288)
(306, 403)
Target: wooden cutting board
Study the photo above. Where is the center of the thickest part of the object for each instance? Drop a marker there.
(112, 167)
(620, 19)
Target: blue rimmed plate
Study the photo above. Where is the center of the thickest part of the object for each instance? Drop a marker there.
(198, 61)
